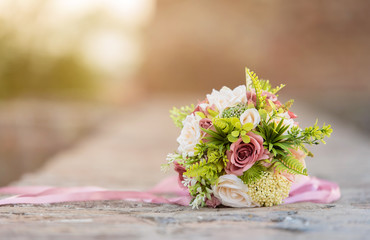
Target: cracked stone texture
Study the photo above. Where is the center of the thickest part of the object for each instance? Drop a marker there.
(125, 153)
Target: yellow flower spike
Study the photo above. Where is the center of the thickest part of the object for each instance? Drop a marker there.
(269, 190)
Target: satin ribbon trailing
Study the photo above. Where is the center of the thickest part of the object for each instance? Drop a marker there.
(305, 189)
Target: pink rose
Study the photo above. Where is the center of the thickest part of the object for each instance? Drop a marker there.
(199, 108)
(206, 123)
(214, 202)
(251, 97)
(242, 155)
(269, 96)
(203, 107)
(180, 170)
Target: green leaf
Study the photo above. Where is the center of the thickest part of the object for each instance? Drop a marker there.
(270, 146)
(212, 113)
(253, 174)
(265, 85)
(274, 151)
(235, 133)
(281, 137)
(277, 89)
(231, 138)
(213, 134)
(286, 106)
(273, 106)
(248, 126)
(263, 114)
(246, 139)
(203, 170)
(283, 146)
(289, 164)
(235, 122)
(257, 86)
(200, 114)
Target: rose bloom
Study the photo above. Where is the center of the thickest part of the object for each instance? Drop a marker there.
(232, 192)
(206, 123)
(180, 169)
(190, 135)
(227, 98)
(250, 116)
(203, 107)
(213, 202)
(242, 155)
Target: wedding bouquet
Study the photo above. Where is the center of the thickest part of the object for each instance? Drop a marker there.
(241, 147)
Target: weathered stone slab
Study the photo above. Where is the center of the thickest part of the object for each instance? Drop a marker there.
(119, 219)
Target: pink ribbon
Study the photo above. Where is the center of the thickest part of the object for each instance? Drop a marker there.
(312, 189)
(306, 189)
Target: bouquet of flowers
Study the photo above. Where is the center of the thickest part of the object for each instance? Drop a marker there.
(241, 147)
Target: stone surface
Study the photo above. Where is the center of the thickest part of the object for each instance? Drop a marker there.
(125, 153)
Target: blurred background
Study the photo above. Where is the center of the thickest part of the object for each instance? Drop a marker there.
(68, 66)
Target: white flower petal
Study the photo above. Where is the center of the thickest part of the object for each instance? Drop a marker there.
(250, 116)
(232, 192)
(227, 98)
(190, 135)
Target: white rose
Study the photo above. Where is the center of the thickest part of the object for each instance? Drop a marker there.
(232, 192)
(227, 98)
(190, 135)
(250, 116)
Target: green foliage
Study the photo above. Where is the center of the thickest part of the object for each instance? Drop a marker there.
(179, 114)
(213, 152)
(215, 137)
(265, 85)
(217, 155)
(310, 135)
(236, 111)
(200, 191)
(228, 130)
(257, 86)
(200, 114)
(211, 162)
(212, 113)
(279, 142)
(226, 125)
(253, 174)
(188, 161)
(277, 89)
(288, 164)
(314, 134)
(274, 138)
(263, 114)
(205, 170)
(286, 106)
